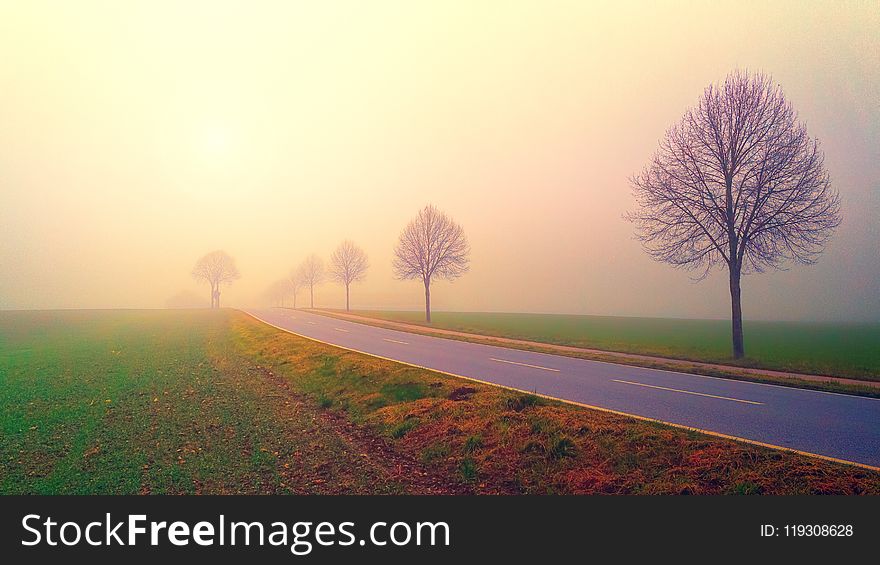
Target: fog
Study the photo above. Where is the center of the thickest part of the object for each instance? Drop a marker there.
(136, 137)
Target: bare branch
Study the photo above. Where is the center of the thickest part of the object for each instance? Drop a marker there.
(311, 271)
(737, 181)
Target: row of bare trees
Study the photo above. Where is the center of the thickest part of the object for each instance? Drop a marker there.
(348, 265)
(432, 246)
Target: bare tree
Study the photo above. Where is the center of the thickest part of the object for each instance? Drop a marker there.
(739, 183)
(348, 264)
(296, 282)
(312, 274)
(431, 246)
(216, 268)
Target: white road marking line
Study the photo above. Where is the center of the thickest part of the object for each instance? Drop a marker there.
(524, 364)
(395, 341)
(689, 392)
(311, 322)
(340, 330)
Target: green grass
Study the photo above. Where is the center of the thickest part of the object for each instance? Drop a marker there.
(127, 402)
(473, 443)
(837, 349)
(468, 469)
(404, 427)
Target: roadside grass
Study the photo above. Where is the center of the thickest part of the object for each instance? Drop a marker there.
(495, 440)
(128, 402)
(822, 348)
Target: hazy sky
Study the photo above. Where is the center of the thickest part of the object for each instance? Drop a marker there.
(136, 136)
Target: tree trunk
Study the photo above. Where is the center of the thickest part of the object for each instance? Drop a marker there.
(311, 296)
(736, 313)
(346, 298)
(428, 301)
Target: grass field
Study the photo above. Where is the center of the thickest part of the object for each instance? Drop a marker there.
(127, 402)
(835, 349)
(216, 402)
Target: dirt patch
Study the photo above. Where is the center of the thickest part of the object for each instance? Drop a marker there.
(462, 393)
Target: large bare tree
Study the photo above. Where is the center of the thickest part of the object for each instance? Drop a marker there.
(216, 268)
(348, 264)
(738, 183)
(312, 274)
(431, 246)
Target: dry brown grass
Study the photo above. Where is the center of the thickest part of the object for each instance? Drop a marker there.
(492, 440)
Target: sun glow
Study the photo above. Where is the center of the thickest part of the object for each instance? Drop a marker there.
(216, 141)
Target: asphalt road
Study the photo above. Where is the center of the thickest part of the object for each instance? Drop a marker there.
(834, 425)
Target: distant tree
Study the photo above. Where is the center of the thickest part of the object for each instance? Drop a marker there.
(348, 264)
(312, 274)
(279, 291)
(216, 268)
(739, 183)
(295, 280)
(431, 246)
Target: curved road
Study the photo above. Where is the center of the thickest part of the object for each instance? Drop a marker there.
(832, 425)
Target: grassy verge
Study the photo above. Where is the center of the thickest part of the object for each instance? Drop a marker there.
(499, 441)
(119, 402)
(747, 370)
(216, 402)
(821, 348)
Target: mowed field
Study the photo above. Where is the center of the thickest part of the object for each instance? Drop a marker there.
(835, 349)
(216, 402)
